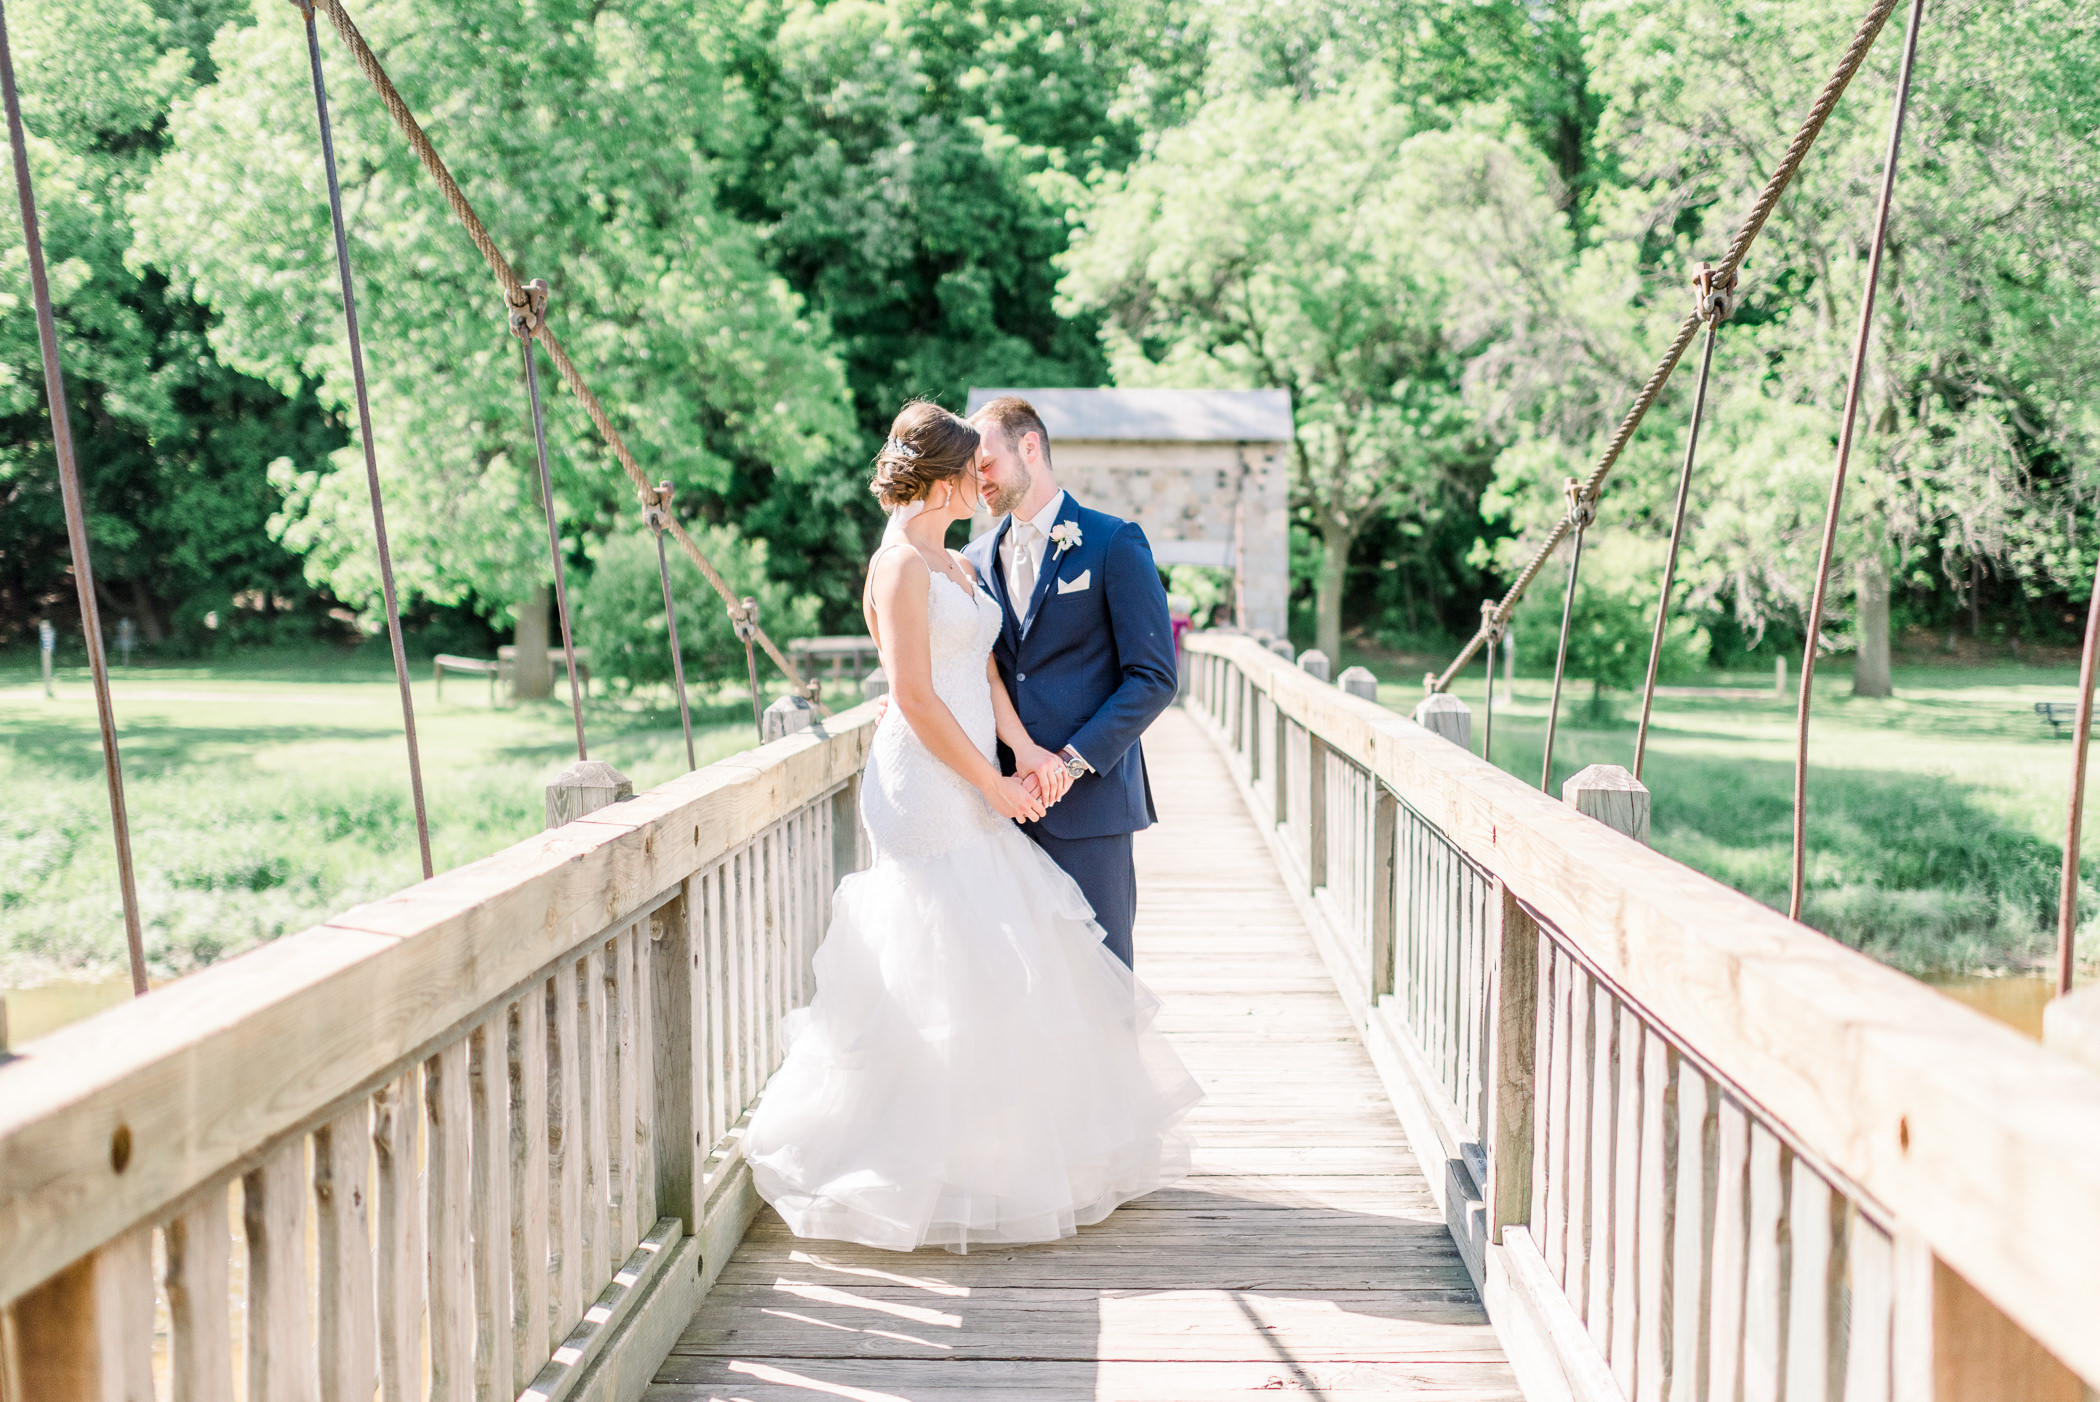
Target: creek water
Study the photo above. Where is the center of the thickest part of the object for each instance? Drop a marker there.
(2016, 1000)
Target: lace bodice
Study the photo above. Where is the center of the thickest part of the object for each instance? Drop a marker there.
(914, 805)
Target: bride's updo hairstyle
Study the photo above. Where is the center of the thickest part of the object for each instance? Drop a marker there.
(927, 444)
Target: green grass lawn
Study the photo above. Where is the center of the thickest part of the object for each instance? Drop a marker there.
(266, 794)
(1936, 817)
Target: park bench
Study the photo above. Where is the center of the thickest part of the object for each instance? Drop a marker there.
(499, 671)
(475, 666)
(2058, 713)
(840, 656)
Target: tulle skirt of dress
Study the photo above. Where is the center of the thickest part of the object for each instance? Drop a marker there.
(976, 1066)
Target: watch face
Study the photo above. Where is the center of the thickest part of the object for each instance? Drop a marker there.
(1075, 767)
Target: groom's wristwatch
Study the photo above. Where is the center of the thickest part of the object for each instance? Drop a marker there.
(1075, 764)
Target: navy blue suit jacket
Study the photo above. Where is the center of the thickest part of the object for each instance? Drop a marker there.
(1089, 662)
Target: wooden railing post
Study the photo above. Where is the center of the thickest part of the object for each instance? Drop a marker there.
(1447, 716)
(675, 1073)
(1513, 992)
(1612, 796)
(584, 787)
(1978, 1355)
(1385, 866)
(1359, 681)
(1314, 663)
(1315, 811)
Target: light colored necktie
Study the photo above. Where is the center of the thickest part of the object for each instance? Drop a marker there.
(1021, 578)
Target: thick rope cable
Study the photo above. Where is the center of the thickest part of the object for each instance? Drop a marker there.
(1855, 54)
(515, 296)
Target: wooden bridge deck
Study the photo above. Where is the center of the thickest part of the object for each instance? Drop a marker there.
(1304, 1256)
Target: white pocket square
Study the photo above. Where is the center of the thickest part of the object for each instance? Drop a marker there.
(1073, 586)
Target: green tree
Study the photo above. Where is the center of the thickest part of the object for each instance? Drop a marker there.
(620, 609)
(172, 442)
(584, 149)
(1314, 245)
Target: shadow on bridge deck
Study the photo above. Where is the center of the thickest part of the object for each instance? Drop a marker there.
(1304, 1256)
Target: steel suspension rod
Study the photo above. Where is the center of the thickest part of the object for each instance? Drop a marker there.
(1713, 305)
(76, 514)
(656, 508)
(1853, 390)
(2081, 732)
(525, 321)
(1582, 510)
(364, 434)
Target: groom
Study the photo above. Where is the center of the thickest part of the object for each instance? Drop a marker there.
(1087, 654)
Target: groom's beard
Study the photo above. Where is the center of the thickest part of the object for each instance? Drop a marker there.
(1004, 499)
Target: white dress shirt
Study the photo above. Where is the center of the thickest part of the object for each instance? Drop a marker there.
(1037, 545)
(1038, 542)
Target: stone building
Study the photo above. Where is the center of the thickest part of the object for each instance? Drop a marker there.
(1206, 472)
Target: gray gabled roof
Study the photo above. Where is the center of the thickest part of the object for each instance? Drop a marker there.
(1158, 415)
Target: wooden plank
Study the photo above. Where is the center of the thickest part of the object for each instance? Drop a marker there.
(1869, 1333)
(565, 1130)
(1688, 1351)
(1627, 1182)
(594, 1039)
(640, 1063)
(346, 1301)
(1915, 1099)
(200, 1354)
(1656, 1206)
(344, 1003)
(1604, 1074)
(620, 1088)
(447, 1100)
(1582, 1086)
(1553, 1242)
(1981, 1356)
(86, 1335)
(531, 1162)
(758, 1379)
(280, 1362)
(1542, 1172)
(397, 1114)
(673, 1105)
(488, 1071)
(1765, 1273)
(1513, 1052)
(1731, 1227)
(1814, 1318)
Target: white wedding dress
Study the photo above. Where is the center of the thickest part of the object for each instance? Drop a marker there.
(976, 1067)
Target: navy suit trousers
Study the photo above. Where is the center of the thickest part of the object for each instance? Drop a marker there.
(1106, 871)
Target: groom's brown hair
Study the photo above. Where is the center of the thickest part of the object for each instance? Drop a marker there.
(1013, 416)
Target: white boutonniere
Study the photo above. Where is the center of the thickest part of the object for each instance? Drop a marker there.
(1064, 535)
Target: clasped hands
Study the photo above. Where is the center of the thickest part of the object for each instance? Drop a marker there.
(1039, 780)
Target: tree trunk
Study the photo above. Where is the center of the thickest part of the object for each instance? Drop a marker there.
(1870, 673)
(1327, 592)
(533, 675)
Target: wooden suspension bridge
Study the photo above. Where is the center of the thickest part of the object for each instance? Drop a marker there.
(1501, 1103)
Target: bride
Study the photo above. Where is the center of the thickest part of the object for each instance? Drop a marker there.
(976, 1067)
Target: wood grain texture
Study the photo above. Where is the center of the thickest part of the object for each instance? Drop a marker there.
(1305, 1252)
(397, 1115)
(447, 1099)
(531, 1161)
(488, 1073)
(199, 1257)
(87, 1334)
(1986, 1142)
(346, 1302)
(280, 1362)
(593, 1041)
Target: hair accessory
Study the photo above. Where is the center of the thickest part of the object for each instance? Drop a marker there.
(899, 447)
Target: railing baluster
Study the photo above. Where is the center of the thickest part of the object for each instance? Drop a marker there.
(1656, 1203)
(1814, 1318)
(591, 1041)
(629, 1144)
(565, 1131)
(1626, 1209)
(1731, 1227)
(1765, 1267)
(280, 1363)
(1604, 1070)
(448, 1186)
(531, 1159)
(346, 1304)
(397, 1112)
(1692, 1244)
(1582, 1052)
(488, 1073)
(200, 1352)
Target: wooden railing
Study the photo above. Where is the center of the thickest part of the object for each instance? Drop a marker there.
(1690, 1149)
(476, 1140)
